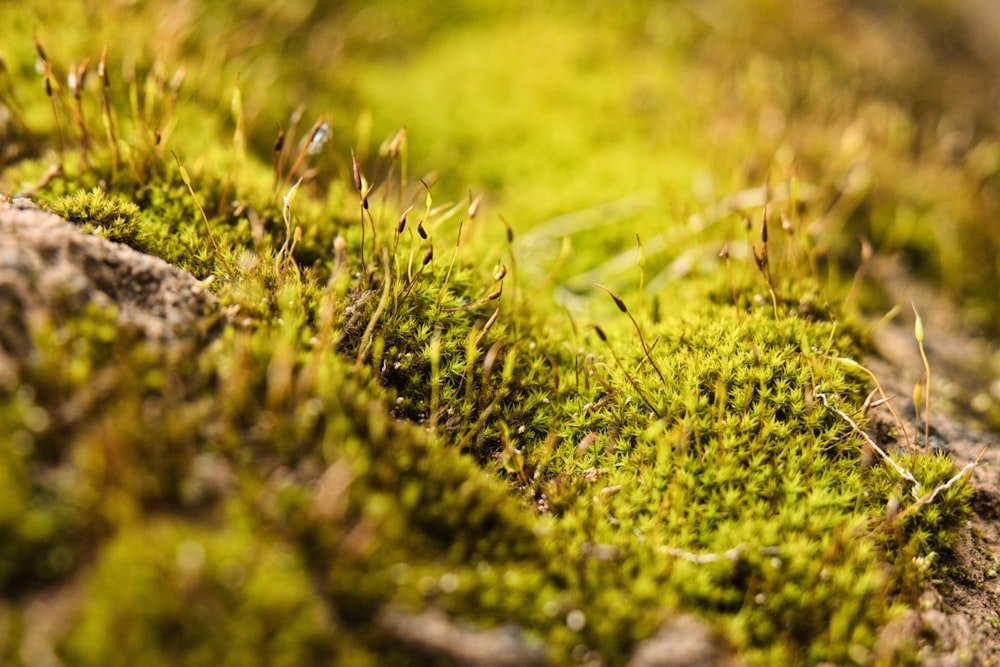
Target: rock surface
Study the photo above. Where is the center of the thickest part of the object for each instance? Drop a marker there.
(684, 641)
(50, 271)
(436, 637)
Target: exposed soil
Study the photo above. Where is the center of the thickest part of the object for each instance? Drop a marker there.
(958, 620)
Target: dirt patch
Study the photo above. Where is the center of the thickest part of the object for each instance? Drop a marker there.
(958, 620)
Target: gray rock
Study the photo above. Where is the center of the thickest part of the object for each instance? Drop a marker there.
(50, 271)
(436, 637)
(684, 641)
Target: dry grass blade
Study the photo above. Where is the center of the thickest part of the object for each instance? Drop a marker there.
(187, 183)
(918, 332)
(701, 559)
(285, 252)
(628, 375)
(365, 345)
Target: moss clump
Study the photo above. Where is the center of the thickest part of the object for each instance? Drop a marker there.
(47, 517)
(112, 217)
(389, 417)
(735, 478)
(207, 597)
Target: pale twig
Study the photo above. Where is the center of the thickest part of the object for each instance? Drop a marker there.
(732, 554)
(701, 559)
(947, 485)
(903, 472)
(931, 495)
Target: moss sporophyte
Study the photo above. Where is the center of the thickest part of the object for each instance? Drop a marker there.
(400, 414)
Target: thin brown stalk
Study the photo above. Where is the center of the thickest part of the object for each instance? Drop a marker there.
(642, 340)
(106, 115)
(628, 375)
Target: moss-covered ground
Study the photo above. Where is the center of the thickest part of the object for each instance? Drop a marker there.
(416, 396)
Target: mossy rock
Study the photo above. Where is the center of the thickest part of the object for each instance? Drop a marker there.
(399, 411)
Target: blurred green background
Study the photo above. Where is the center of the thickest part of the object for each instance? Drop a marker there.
(585, 126)
(586, 123)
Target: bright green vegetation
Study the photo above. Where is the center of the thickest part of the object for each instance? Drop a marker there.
(387, 414)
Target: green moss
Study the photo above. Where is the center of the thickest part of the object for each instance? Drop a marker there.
(111, 217)
(208, 597)
(397, 413)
